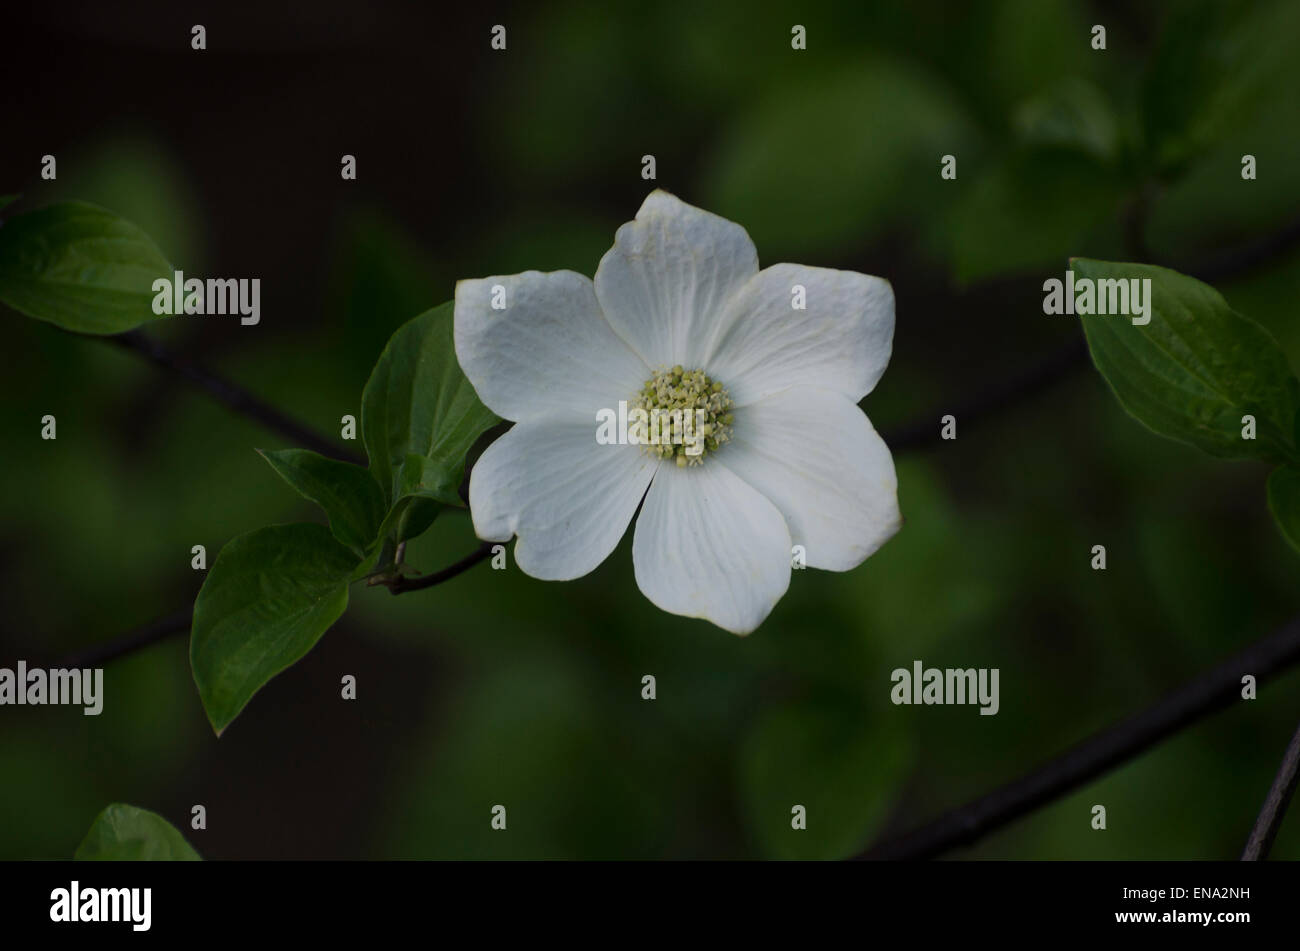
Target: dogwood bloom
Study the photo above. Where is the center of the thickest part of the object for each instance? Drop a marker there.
(679, 315)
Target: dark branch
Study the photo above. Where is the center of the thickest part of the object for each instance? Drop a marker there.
(1249, 258)
(402, 584)
(179, 622)
(231, 395)
(1273, 811)
(923, 432)
(1098, 755)
(1056, 366)
(101, 654)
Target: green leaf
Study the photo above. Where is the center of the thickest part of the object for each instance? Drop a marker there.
(1197, 368)
(123, 833)
(424, 489)
(1284, 502)
(410, 517)
(841, 763)
(347, 492)
(417, 403)
(1211, 63)
(267, 600)
(81, 267)
(7, 200)
(430, 479)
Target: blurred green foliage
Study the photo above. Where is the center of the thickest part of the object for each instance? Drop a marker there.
(497, 688)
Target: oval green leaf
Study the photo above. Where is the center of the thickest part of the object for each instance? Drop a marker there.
(1197, 368)
(80, 267)
(267, 600)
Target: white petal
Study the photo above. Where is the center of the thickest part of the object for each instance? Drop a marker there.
(549, 349)
(841, 341)
(568, 499)
(707, 545)
(665, 284)
(817, 457)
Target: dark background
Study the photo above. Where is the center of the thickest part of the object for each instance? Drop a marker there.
(497, 688)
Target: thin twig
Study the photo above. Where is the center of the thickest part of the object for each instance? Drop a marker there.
(230, 395)
(924, 432)
(1099, 754)
(1273, 811)
(179, 622)
(401, 584)
(1133, 219)
(1239, 262)
(159, 630)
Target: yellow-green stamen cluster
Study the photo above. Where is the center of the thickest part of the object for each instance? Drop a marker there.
(674, 426)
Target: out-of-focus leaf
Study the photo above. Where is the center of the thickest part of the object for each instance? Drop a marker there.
(123, 833)
(1197, 368)
(81, 267)
(1020, 46)
(837, 158)
(843, 764)
(7, 200)
(1211, 63)
(1210, 209)
(265, 603)
(143, 179)
(1073, 114)
(1031, 209)
(1284, 502)
(379, 276)
(534, 738)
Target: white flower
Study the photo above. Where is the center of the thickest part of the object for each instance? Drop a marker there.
(681, 291)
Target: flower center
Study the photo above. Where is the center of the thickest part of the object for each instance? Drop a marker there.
(683, 415)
